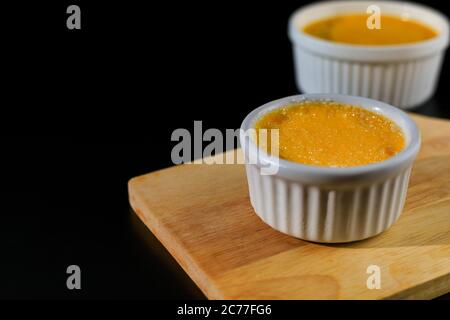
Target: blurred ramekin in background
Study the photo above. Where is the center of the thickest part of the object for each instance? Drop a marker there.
(402, 75)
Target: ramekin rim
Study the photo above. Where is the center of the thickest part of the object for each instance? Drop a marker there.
(443, 38)
(403, 157)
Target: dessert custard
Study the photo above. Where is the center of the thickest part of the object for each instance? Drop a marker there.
(325, 133)
(352, 29)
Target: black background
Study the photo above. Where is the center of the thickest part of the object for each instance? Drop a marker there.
(83, 111)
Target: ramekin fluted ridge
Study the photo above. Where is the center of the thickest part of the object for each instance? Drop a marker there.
(328, 215)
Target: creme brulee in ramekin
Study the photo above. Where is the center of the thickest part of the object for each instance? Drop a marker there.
(343, 166)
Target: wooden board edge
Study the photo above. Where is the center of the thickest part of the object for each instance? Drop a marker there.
(425, 291)
(428, 118)
(177, 251)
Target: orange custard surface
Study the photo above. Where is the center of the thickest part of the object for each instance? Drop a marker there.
(331, 134)
(352, 29)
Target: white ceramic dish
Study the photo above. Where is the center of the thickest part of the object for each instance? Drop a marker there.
(402, 75)
(324, 204)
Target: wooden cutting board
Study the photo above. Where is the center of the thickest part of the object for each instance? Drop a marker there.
(202, 215)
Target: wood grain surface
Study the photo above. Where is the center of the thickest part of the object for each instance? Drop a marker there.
(202, 215)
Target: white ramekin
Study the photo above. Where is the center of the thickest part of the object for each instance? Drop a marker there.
(324, 204)
(402, 75)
